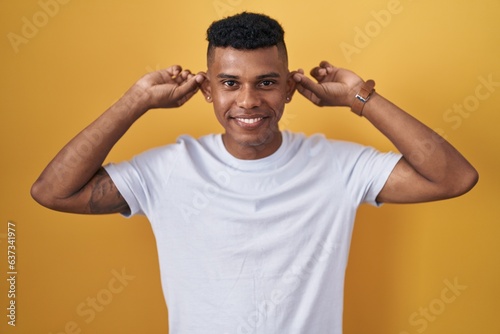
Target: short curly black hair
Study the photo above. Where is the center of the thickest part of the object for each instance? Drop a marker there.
(246, 31)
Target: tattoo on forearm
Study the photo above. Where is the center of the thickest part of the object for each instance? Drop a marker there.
(104, 197)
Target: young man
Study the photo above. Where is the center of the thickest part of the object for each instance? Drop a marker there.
(253, 225)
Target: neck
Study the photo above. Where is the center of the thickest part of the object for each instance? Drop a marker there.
(252, 151)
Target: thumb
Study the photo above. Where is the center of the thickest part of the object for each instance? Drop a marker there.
(189, 87)
(304, 83)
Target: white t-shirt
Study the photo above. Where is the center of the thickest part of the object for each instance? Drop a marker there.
(253, 246)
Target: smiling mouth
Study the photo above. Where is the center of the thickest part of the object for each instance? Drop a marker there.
(250, 123)
(249, 120)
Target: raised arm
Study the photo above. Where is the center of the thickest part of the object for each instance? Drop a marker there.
(431, 168)
(74, 181)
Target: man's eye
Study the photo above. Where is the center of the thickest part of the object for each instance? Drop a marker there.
(230, 83)
(267, 83)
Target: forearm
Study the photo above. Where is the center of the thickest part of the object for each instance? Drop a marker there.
(425, 151)
(73, 167)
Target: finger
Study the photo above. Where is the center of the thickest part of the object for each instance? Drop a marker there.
(200, 77)
(325, 64)
(314, 71)
(165, 75)
(292, 75)
(187, 89)
(182, 76)
(331, 70)
(299, 78)
(171, 71)
(305, 92)
(297, 75)
(319, 73)
(322, 71)
(310, 85)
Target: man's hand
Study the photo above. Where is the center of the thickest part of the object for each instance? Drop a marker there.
(334, 87)
(167, 88)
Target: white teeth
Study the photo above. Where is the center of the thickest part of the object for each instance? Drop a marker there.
(249, 120)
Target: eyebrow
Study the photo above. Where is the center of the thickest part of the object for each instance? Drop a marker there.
(260, 77)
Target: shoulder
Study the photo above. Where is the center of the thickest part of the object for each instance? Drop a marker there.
(205, 142)
(299, 139)
(319, 142)
(182, 145)
(341, 153)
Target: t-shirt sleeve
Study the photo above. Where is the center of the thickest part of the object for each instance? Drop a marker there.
(365, 170)
(138, 178)
(128, 182)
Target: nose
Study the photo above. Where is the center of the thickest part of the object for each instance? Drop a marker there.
(248, 98)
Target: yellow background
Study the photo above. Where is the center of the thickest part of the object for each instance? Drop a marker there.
(426, 57)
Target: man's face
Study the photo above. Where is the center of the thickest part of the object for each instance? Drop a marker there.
(249, 89)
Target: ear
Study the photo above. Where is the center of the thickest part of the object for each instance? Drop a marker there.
(291, 87)
(205, 88)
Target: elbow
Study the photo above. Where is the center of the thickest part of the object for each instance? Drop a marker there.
(37, 193)
(472, 179)
(47, 195)
(41, 194)
(464, 182)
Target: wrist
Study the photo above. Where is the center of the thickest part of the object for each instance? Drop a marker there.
(136, 101)
(361, 96)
